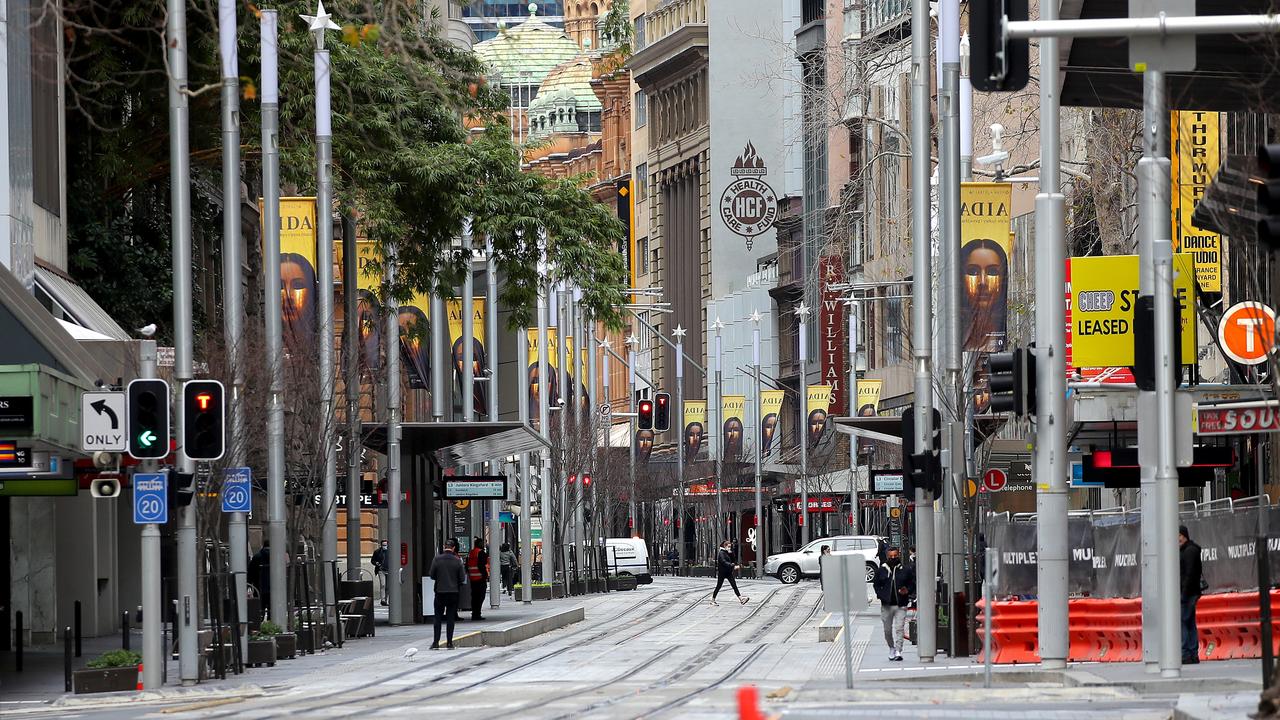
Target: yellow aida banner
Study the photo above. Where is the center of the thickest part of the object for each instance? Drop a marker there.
(1104, 291)
(1196, 156)
(413, 315)
(553, 363)
(985, 248)
(732, 408)
(818, 404)
(298, 301)
(695, 428)
(869, 397)
(770, 417)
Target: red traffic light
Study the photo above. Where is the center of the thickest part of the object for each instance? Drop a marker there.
(572, 479)
(645, 415)
(586, 480)
(203, 400)
(646, 406)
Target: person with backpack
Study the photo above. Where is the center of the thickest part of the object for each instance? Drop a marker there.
(895, 585)
(725, 568)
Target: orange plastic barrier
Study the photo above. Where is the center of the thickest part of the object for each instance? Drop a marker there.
(1110, 630)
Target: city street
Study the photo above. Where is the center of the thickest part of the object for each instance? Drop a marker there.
(664, 651)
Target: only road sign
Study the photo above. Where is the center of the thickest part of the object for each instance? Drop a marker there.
(994, 480)
(1247, 332)
(237, 490)
(102, 422)
(150, 498)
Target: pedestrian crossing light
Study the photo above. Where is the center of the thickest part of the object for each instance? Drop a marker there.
(203, 427)
(662, 412)
(148, 419)
(1269, 196)
(1012, 380)
(644, 412)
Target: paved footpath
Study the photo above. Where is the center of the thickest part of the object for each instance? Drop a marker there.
(664, 651)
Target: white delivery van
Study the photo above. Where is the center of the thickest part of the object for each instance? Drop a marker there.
(628, 556)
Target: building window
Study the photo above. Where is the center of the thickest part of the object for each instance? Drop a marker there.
(639, 34)
(852, 19)
(46, 113)
(894, 346)
(642, 249)
(640, 109)
(642, 182)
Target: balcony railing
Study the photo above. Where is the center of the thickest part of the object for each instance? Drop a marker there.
(881, 14)
(672, 15)
(812, 11)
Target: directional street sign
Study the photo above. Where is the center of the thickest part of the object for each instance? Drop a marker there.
(102, 422)
(150, 498)
(237, 490)
(994, 480)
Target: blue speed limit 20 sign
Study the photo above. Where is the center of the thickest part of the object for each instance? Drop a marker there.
(237, 490)
(150, 499)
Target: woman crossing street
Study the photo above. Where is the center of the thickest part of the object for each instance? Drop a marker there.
(725, 569)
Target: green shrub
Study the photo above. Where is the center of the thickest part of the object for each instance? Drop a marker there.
(116, 659)
(269, 629)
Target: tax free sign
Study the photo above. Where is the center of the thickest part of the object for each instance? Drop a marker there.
(1103, 293)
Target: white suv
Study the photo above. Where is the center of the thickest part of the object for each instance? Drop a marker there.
(790, 567)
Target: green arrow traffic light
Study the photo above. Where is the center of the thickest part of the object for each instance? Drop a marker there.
(146, 439)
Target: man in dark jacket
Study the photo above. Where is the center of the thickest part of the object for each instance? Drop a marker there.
(379, 561)
(449, 576)
(1190, 573)
(895, 585)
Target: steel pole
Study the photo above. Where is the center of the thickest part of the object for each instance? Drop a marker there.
(395, 590)
(1051, 384)
(180, 234)
(922, 322)
(631, 440)
(439, 351)
(804, 424)
(591, 532)
(491, 342)
(277, 540)
(565, 333)
(1157, 233)
(232, 303)
(544, 404)
(526, 500)
(714, 439)
(468, 379)
(324, 279)
(581, 342)
(608, 441)
(949, 231)
(679, 358)
(153, 655)
(762, 548)
(351, 372)
(851, 393)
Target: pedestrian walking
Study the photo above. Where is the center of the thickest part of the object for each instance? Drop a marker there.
(895, 585)
(725, 568)
(478, 575)
(446, 570)
(1191, 575)
(826, 550)
(379, 560)
(507, 562)
(260, 572)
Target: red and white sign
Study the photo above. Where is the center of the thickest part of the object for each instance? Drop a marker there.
(833, 329)
(827, 504)
(1260, 418)
(994, 480)
(1247, 332)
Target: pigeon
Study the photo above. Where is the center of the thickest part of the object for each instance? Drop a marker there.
(147, 330)
(408, 654)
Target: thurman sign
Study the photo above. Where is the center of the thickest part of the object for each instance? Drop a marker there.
(748, 206)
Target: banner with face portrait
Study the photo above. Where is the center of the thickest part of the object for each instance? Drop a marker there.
(985, 250)
(770, 418)
(298, 288)
(413, 315)
(695, 428)
(479, 360)
(869, 397)
(732, 409)
(817, 406)
(553, 362)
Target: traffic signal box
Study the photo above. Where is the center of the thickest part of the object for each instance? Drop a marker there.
(997, 64)
(148, 421)
(203, 420)
(922, 468)
(644, 412)
(1012, 376)
(1269, 196)
(662, 412)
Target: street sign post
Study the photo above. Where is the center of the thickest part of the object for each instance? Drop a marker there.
(237, 490)
(150, 499)
(102, 422)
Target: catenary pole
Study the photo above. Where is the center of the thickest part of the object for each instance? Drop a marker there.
(276, 583)
(1051, 382)
(632, 439)
(320, 23)
(714, 440)
(232, 303)
(491, 341)
(803, 426)
(180, 235)
(582, 344)
(468, 379)
(591, 532)
(545, 386)
(922, 321)
(526, 499)
(679, 413)
(153, 655)
(395, 601)
(762, 547)
(565, 332)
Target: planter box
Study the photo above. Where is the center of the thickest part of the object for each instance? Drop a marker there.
(261, 652)
(115, 679)
(557, 590)
(578, 587)
(286, 646)
(626, 582)
(595, 585)
(309, 640)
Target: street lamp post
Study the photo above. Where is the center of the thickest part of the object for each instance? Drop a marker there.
(632, 341)
(762, 550)
(544, 400)
(718, 326)
(802, 312)
(679, 334)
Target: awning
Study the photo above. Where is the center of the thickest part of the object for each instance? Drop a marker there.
(458, 443)
(32, 335)
(72, 304)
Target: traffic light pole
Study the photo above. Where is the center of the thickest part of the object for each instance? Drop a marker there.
(278, 542)
(922, 325)
(762, 548)
(526, 500)
(715, 438)
(232, 301)
(679, 357)
(544, 404)
(395, 587)
(803, 313)
(153, 655)
(1051, 371)
(180, 235)
(491, 339)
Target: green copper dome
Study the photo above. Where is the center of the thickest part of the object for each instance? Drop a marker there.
(532, 47)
